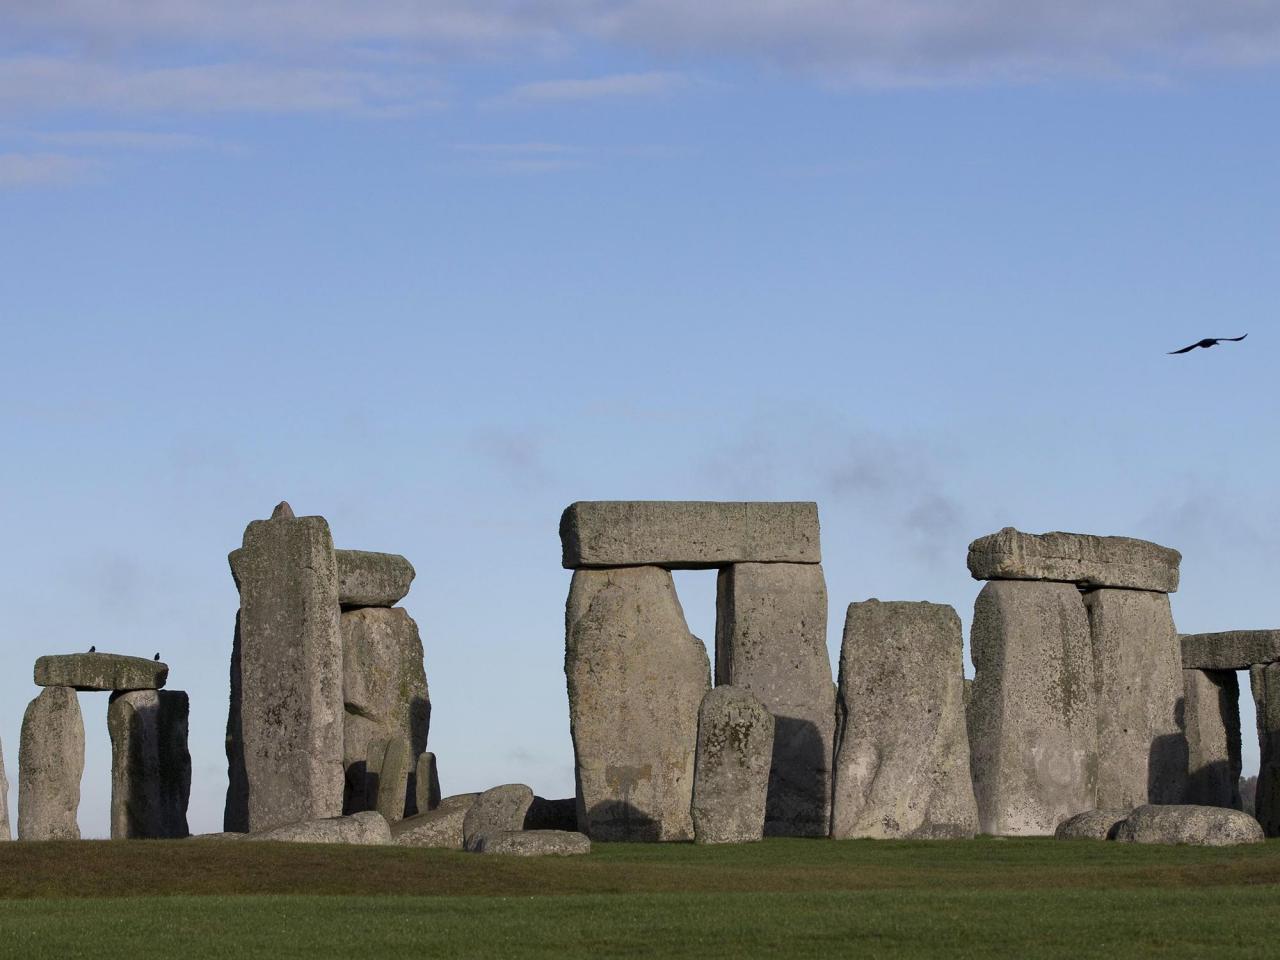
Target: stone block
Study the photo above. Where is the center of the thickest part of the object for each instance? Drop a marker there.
(150, 764)
(50, 764)
(1075, 558)
(100, 671)
(1091, 825)
(368, 579)
(1231, 650)
(496, 810)
(731, 769)
(1264, 680)
(1211, 716)
(427, 785)
(533, 843)
(441, 827)
(367, 828)
(1188, 824)
(6, 833)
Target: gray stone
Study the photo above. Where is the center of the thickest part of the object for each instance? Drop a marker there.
(5, 832)
(150, 764)
(387, 777)
(1091, 825)
(731, 770)
(1211, 715)
(50, 764)
(367, 828)
(1265, 683)
(1137, 669)
(771, 640)
(552, 815)
(636, 677)
(282, 511)
(1075, 558)
(100, 671)
(1231, 650)
(687, 535)
(902, 763)
(533, 843)
(495, 810)
(1033, 722)
(286, 708)
(368, 579)
(1188, 824)
(427, 785)
(441, 827)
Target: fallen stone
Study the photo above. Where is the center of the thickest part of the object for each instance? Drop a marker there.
(367, 828)
(495, 810)
(1188, 824)
(1211, 715)
(636, 677)
(1231, 650)
(1091, 825)
(771, 640)
(687, 535)
(731, 770)
(100, 671)
(387, 778)
(532, 843)
(427, 785)
(150, 764)
(1033, 722)
(1264, 679)
(902, 764)
(441, 827)
(552, 815)
(1075, 558)
(5, 832)
(368, 579)
(50, 764)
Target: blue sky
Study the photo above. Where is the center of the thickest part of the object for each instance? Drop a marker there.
(436, 270)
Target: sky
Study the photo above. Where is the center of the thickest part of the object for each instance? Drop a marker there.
(437, 270)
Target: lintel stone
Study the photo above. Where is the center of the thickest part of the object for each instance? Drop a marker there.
(369, 579)
(1077, 558)
(106, 672)
(1231, 650)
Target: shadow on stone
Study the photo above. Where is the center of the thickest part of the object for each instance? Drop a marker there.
(622, 822)
(794, 806)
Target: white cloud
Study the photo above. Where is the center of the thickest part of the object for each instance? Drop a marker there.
(39, 169)
(595, 88)
(129, 140)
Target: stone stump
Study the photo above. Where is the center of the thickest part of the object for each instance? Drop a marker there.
(731, 769)
(1264, 679)
(50, 764)
(1211, 712)
(150, 764)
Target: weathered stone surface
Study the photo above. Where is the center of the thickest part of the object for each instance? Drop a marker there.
(50, 764)
(533, 843)
(687, 535)
(1137, 669)
(636, 677)
(731, 769)
(1185, 823)
(367, 828)
(5, 832)
(1264, 680)
(387, 777)
(150, 764)
(1075, 558)
(1033, 723)
(1231, 650)
(771, 640)
(1091, 825)
(286, 705)
(427, 785)
(100, 671)
(552, 815)
(441, 827)
(495, 810)
(367, 579)
(1211, 715)
(902, 760)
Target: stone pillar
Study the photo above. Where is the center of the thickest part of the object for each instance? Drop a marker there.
(1264, 679)
(50, 764)
(902, 759)
(731, 770)
(387, 777)
(427, 788)
(1211, 716)
(5, 832)
(636, 677)
(1033, 712)
(150, 764)
(771, 640)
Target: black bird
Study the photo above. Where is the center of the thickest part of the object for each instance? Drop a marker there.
(156, 658)
(1206, 343)
(93, 649)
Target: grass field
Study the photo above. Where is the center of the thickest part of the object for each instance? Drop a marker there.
(780, 898)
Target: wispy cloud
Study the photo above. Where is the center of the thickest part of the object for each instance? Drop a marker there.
(128, 140)
(613, 86)
(40, 169)
(524, 157)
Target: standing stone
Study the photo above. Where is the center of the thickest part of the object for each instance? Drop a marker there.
(1033, 714)
(731, 770)
(1137, 667)
(771, 640)
(50, 764)
(902, 764)
(150, 765)
(1265, 682)
(387, 777)
(235, 815)
(289, 706)
(1211, 714)
(5, 832)
(427, 787)
(636, 677)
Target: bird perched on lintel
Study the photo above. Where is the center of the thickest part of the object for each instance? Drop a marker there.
(1207, 342)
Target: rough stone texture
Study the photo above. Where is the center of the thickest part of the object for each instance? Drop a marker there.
(1185, 823)
(902, 760)
(1211, 715)
(497, 809)
(1137, 669)
(552, 815)
(771, 640)
(367, 579)
(287, 700)
(441, 827)
(636, 677)
(387, 777)
(50, 764)
(731, 769)
(235, 814)
(1265, 683)
(100, 671)
(1232, 650)
(533, 843)
(1091, 825)
(5, 832)
(1075, 558)
(367, 828)
(687, 535)
(427, 785)
(1033, 723)
(150, 764)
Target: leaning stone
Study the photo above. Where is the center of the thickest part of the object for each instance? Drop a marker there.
(387, 779)
(1187, 824)
(368, 828)
(1211, 715)
(5, 832)
(902, 766)
(50, 764)
(1033, 723)
(552, 815)
(150, 764)
(687, 535)
(500, 808)
(100, 671)
(731, 771)
(532, 843)
(1265, 683)
(1091, 825)
(1232, 650)
(441, 827)
(636, 677)
(427, 786)
(771, 640)
(368, 579)
(1075, 558)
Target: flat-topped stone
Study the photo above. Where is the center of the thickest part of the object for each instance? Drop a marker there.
(1230, 650)
(1075, 558)
(532, 843)
(368, 579)
(687, 534)
(100, 671)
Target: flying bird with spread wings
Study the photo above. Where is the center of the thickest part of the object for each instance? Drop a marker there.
(1207, 342)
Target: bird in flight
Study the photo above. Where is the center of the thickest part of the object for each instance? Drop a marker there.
(1206, 343)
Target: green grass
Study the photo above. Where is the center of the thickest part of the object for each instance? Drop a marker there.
(781, 898)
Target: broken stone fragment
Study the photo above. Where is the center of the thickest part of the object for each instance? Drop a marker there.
(1188, 824)
(532, 843)
(441, 827)
(1091, 825)
(496, 810)
(107, 672)
(1075, 558)
(368, 828)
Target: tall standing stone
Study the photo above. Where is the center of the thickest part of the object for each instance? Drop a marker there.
(731, 770)
(1264, 679)
(1211, 716)
(1033, 710)
(902, 760)
(5, 832)
(387, 777)
(636, 677)
(150, 764)
(50, 764)
(427, 788)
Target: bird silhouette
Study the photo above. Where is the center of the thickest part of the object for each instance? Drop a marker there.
(1207, 342)
(156, 658)
(93, 649)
